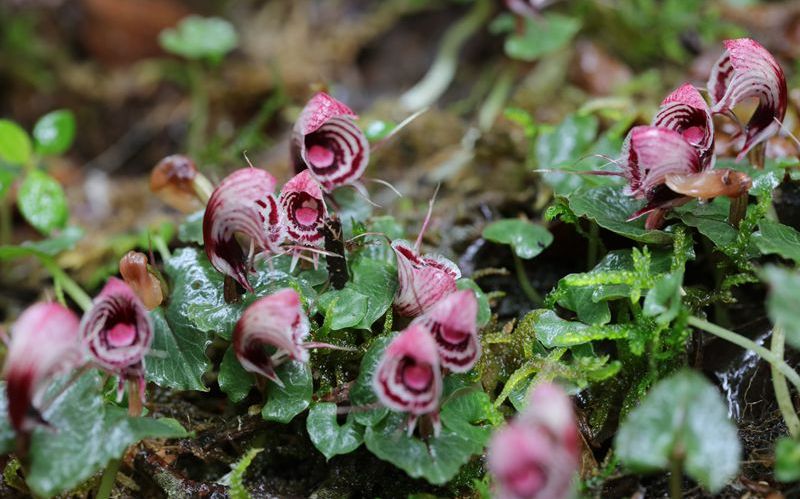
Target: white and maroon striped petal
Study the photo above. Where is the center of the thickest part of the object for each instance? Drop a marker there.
(408, 377)
(327, 141)
(304, 209)
(421, 280)
(747, 70)
(686, 112)
(117, 332)
(44, 344)
(243, 203)
(277, 320)
(650, 153)
(453, 323)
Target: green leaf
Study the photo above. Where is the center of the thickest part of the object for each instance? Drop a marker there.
(285, 403)
(466, 423)
(581, 301)
(198, 37)
(778, 239)
(63, 241)
(42, 202)
(88, 435)
(197, 294)
(782, 301)
(178, 357)
(233, 379)
(553, 331)
(562, 147)
(7, 177)
(328, 436)
(361, 394)
(685, 416)
(484, 310)
(54, 132)
(663, 301)
(542, 37)
(610, 208)
(787, 460)
(15, 145)
(366, 297)
(379, 129)
(710, 219)
(191, 230)
(344, 308)
(527, 239)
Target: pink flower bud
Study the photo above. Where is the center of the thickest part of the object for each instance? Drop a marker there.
(421, 280)
(537, 455)
(327, 141)
(408, 377)
(453, 323)
(117, 332)
(44, 344)
(747, 70)
(685, 112)
(276, 320)
(243, 203)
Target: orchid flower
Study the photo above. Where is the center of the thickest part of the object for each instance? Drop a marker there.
(747, 70)
(537, 455)
(453, 323)
(305, 212)
(44, 344)
(243, 203)
(686, 112)
(422, 280)
(408, 377)
(276, 320)
(136, 273)
(116, 334)
(327, 141)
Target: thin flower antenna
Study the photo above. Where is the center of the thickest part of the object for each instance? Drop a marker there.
(364, 234)
(249, 163)
(386, 184)
(399, 127)
(788, 132)
(418, 242)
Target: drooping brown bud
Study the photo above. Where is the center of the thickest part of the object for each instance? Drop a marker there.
(177, 182)
(147, 286)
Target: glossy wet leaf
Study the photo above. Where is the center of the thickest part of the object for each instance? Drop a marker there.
(343, 308)
(682, 415)
(484, 311)
(526, 238)
(466, 425)
(42, 202)
(610, 208)
(782, 301)
(787, 460)
(15, 144)
(774, 238)
(283, 404)
(178, 355)
(54, 132)
(663, 301)
(562, 147)
(542, 37)
(191, 230)
(327, 435)
(581, 301)
(553, 331)
(710, 219)
(62, 241)
(366, 297)
(198, 37)
(233, 379)
(361, 394)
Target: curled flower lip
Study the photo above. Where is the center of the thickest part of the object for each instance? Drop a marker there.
(453, 324)
(276, 320)
(423, 280)
(243, 203)
(747, 70)
(44, 344)
(327, 141)
(686, 112)
(408, 377)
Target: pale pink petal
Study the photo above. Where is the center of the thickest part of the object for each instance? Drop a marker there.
(453, 323)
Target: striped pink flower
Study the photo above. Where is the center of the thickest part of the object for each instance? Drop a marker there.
(453, 323)
(327, 141)
(277, 320)
(304, 212)
(44, 344)
(243, 203)
(422, 280)
(747, 70)
(686, 112)
(537, 455)
(408, 377)
(116, 333)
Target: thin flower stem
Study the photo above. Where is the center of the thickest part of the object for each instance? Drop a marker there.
(676, 479)
(108, 479)
(69, 286)
(782, 394)
(748, 344)
(162, 248)
(526, 285)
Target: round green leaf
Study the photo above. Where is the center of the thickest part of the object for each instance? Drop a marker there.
(198, 37)
(42, 202)
(525, 238)
(328, 436)
(284, 403)
(541, 37)
(787, 460)
(15, 145)
(54, 132)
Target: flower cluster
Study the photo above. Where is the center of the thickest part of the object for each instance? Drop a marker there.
(671, 161)
(536, 455)
(329, 151)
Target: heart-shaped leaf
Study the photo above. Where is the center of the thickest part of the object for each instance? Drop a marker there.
(328, 436)
(15, 144)
(283, 404)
